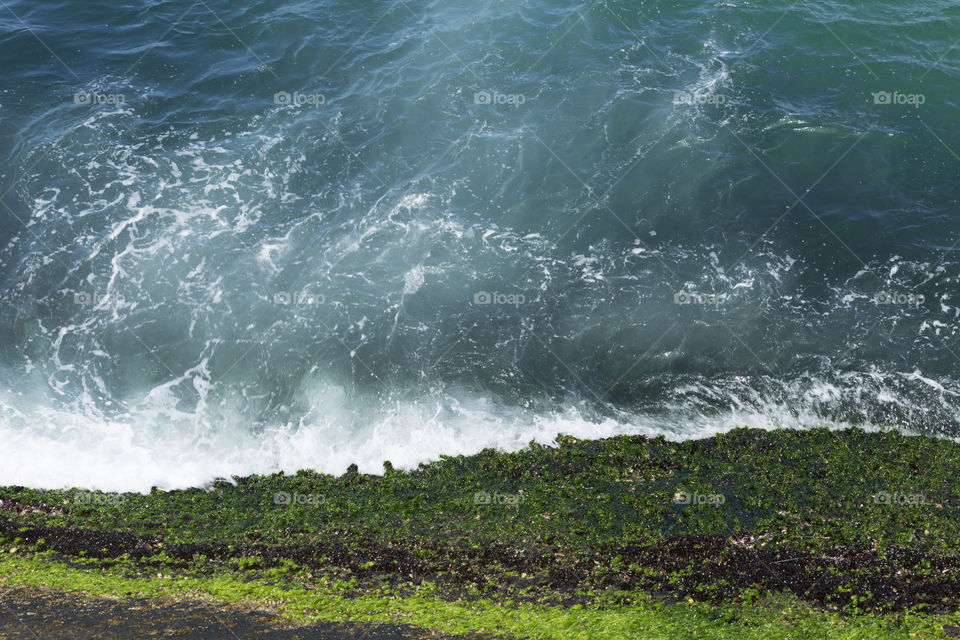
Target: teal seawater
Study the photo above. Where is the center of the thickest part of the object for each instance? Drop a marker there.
(242, 236)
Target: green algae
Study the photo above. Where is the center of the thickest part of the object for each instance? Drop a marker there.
(849, 522)
(773, 617)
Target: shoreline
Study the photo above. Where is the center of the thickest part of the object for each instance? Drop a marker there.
(849, 526)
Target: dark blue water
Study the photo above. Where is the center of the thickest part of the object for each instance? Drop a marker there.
(245, 236)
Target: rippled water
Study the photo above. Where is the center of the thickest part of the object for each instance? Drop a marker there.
(241, 237)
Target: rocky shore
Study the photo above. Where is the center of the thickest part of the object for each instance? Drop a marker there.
(818, 527)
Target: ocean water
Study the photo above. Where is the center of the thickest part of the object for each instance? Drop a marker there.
(241, 237)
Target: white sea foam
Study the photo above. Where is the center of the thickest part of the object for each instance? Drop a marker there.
(153, 443)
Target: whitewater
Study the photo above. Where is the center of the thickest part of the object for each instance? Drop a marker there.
(267, 236)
